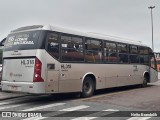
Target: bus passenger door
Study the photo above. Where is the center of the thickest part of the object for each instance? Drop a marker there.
(52, 63)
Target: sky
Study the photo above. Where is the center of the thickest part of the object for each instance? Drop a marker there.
(123, 18)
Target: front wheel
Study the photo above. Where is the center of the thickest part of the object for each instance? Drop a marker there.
(145, 81)
(87, 87)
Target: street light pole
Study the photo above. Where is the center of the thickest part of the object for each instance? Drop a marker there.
(151, 7)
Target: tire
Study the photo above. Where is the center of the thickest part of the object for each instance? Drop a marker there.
(87, 87)
(145, 81)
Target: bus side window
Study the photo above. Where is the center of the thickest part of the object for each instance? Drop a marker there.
(144, 57)
(110, 52)
(53, 45)
(72, 48)
(122, 53)
(93, 51)
(134, 56)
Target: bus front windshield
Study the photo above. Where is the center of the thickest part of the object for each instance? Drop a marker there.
(22, 41)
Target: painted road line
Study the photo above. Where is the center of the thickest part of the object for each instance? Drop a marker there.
(75, 108)
(85, 118)
(36, 118)
(107, 94)
(3, 103)
(11, 106)
(139, 118)
(43, 107)
(90, 118)
(9, 102)
(111, 110)
(67, 109)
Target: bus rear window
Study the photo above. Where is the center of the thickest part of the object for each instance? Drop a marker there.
(22, 41)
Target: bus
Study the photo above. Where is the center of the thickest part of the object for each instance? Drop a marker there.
(44, 59)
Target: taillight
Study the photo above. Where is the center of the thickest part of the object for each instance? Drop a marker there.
(37, 71)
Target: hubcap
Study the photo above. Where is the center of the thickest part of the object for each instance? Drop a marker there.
(86, 87)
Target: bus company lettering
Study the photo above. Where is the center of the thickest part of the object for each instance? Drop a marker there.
(65, 66)
(21, 39)
(23, 42)
(15, 75)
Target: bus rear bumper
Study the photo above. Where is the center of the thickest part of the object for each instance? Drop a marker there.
(24, 87)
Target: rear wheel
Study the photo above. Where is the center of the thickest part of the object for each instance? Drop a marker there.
(87, 87)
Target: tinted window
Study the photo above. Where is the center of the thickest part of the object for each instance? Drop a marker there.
(134, 59)
(122, 48)
(93, 51)
(144, 59)
(122, 53)
(151, 51)
(22, 41)
(133, 49)
(72, 48)
(110, 52)
(123, 58)
(143, 50)
(110, 47)
(53, 44)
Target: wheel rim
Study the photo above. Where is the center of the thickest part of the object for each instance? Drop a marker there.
(145, 82)
(87, 87)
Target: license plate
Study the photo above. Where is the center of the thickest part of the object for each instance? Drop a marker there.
(14, 88)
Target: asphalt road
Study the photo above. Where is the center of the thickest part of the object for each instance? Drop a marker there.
(112, 104)
(133, 97)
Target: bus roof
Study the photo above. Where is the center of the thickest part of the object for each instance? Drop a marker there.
(75, 32)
